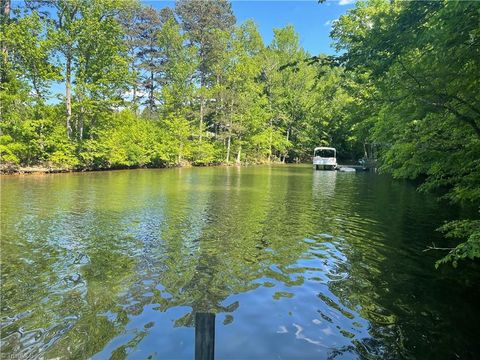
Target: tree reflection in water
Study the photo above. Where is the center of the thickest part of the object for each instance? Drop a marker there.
(297, 263)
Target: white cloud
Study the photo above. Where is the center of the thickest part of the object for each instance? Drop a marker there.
(330, 22)
(345, 2)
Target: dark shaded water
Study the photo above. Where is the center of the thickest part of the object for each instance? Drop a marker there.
(295, 264)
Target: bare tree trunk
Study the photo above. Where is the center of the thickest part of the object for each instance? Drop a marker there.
(80, 123)
(152, 100)
(230, 121)
(68, 94)
(75, 126)
(239, 154)
(202, 85)
(179, 161)
(5, 17)
(78, 116)
(288, 138)
(134, 91)
(271, 140)
(201, 118)
(228, 148)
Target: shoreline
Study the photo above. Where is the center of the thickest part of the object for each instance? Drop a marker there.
(43, 170)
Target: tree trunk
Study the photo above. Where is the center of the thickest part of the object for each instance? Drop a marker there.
(151, 99)
(80, 123)
(134, 91)
(201, 118)
(228, 148)
(239, 154)
(288, 138)
(134, 98)
(179, 161)
(68, 93)
(202, 87)
(78, 129)
(271, 140)
(5, 17)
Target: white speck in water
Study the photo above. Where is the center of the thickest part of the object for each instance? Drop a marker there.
(327, 331)
(282, 330)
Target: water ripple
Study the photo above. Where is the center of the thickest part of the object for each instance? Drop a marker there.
(295, 264)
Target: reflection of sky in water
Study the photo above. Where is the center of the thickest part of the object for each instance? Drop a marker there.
(296, 263)
(308, 312)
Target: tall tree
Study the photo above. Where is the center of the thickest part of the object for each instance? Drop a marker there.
(5, 7)
(87, 44)
(63, 30)
(149, 56)
(285, 87)
(179, 65)
(205, 22)
(243, 91)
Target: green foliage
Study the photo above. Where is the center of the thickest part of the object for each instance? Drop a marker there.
(174, 146)
(413, 70)
(203, 153)
(10, 151)
(126, 141)
(31, 53)
(470, 249)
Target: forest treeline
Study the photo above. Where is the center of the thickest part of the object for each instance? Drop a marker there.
(142, 86)
(110, 84)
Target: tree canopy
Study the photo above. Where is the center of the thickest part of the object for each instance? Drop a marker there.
(414, 75)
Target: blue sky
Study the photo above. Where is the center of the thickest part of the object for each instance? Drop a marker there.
(311, 20)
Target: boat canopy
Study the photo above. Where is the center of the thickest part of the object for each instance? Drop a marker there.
(321, 148)
(324, 148)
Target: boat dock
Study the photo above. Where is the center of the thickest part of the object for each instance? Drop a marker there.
(347, 168)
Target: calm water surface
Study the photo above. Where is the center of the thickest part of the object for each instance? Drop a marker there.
(294, 263)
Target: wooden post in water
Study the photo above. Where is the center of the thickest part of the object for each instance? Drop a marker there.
(204, 336)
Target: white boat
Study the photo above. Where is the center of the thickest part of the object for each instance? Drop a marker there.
(325, 158)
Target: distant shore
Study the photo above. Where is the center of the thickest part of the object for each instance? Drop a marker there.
(40, 170)
(20, 170)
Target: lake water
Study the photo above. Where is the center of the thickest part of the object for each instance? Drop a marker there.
(295, 263)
